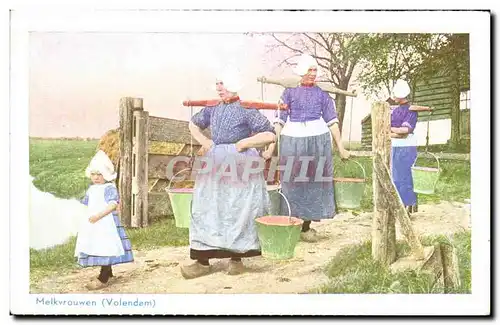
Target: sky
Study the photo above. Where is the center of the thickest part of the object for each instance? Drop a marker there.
(77, 79)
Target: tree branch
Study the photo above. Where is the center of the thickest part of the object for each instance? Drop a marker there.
(315, 41)
(282, 43)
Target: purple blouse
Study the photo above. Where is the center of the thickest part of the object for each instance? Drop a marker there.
(307, 104)
(401, 116)
(230, 123)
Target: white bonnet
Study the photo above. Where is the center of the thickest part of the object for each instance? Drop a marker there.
(231, 78)
(304, 63)
(103, 165)
(401, 89)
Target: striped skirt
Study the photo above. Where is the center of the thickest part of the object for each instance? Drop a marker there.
(312, 198)
(90, 260)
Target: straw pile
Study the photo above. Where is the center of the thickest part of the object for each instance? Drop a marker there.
(110, 144)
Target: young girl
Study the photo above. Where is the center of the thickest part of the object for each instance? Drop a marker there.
(102, 241)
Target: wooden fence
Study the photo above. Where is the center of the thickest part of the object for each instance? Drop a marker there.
(140, 168)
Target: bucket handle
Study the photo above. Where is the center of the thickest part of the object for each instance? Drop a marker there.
(437, 159)
(362, 168)
(287, 204)
(170, 183)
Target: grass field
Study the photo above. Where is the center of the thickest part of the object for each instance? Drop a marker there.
(58, 167)
(354, 271)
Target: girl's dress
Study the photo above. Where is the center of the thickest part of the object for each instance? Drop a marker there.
(404, 153)
(104, 242)
(306, 133)
(225, 206)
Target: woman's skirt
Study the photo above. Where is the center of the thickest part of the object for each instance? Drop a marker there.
(226, 202)
(310, 194)
(92, 260)
(402, 160)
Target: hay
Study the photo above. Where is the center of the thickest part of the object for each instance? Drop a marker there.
(164, 148)
(110, 144)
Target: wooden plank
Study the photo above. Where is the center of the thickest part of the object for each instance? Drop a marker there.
(125, 186)
(140, 187)
(432, 98)
(159, 205)
(383, 224)
(437, 115)
(437, 87)
(170, 130)
(429, 91)
(436, 102)
(159, 164)
(434, 80)
(293, 82)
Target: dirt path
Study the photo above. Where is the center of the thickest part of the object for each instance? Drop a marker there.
(157, 271)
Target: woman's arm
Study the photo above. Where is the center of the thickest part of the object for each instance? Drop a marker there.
(280, 119)
(258, 140)
(335, 131)
(329, 114)
(408, 125)
(272, 146)
(199, 122)
(262, 129)
(401, 130)
(198, 135)
(398, 136)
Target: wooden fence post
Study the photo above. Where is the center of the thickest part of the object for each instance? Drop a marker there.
(140, 166)
(384, 223)
(125, 186)
(387, 202)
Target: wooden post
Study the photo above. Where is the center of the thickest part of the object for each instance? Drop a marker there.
(394, 204)
(125, 186)
(387, 202)
(140, 166)
(383, 225)
(451, 270)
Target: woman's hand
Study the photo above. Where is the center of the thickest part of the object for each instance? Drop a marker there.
(267, 154)
(344, 154)
(398, 135)
(94, 219)
(281, 104)
(205, 147)
(240, 146)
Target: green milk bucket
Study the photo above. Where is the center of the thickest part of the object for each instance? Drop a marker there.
(425, 178)
(278, 235)
(180, 201)
(349, 191)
